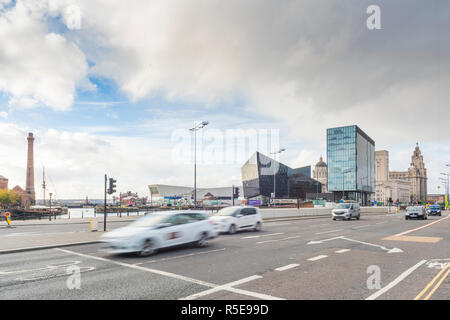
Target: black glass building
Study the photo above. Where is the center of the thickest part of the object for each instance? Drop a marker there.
(351, 163)
(261, 175)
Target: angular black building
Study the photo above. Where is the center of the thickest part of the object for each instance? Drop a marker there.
(261, 175)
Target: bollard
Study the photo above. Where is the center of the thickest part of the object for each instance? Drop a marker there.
(93, 226)
(82, 214)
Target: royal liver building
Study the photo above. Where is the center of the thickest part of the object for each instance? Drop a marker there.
(416, 175)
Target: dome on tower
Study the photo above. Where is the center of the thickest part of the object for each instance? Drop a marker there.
(321, 163)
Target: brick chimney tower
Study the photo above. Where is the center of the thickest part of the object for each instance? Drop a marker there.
(30, 172)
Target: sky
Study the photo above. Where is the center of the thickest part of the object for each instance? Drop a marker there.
(113, 87)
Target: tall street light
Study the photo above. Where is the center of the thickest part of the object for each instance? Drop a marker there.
(274, 174)
(195, 129)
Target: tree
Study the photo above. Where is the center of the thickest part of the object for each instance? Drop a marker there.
(8, 197)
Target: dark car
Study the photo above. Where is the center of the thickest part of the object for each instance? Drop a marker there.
(416, 212)
(434, 210)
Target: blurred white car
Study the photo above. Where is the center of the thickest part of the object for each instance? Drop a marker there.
(160, 230)
(232, 219)
(346, 211)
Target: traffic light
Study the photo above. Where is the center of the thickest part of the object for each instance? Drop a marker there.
(112, 186)
(236, 192)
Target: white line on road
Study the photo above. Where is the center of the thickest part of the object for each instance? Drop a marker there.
(318, 257)
(275, 240)
(382, 222)
(289, 266)
(123, 264)
(395, 281)
(229, 287)
(226, 287)
(427, 225)
(264, 235)
(342, 250)
(360, 227)
(330, 231)
(182, 256)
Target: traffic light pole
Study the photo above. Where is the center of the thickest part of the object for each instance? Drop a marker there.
(104, 212)
(232, 194)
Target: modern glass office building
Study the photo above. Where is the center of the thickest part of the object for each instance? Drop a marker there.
(261, 175)
(351, 163)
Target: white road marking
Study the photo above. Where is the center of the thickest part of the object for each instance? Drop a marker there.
(182, 256)
(289, 266)
(123, 264)
(330, 231)
(382, 222)
(227, 287)
(395, 281)
(427, 225)
(276, 240)
(360, 227)
(342, 250)
(264, 235)
(393, 250)
(318, 257)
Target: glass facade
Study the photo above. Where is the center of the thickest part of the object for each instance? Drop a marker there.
(258, 179)
(351, 163)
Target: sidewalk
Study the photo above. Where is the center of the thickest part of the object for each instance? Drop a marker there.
(49, 240)
(36, 222)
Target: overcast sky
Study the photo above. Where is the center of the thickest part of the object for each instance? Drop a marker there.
(113, 86)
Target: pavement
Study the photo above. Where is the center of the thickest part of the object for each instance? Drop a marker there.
(378, 257)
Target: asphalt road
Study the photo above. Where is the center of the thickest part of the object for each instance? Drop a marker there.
(301, 259)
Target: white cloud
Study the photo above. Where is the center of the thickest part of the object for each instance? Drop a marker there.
(38, 67)
(3, 114)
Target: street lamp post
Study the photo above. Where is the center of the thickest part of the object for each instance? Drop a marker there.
(195, 129)
(51, 205)
(274, 174)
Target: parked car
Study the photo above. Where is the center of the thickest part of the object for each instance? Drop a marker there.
(160, 230)
(434, 210)
(416, 212)
(346, 211)
(232, 219)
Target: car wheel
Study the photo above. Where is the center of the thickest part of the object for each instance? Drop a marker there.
(203, 241)
(357, 218)
(334, 218)
(147, 249)
(406, 218)
(257, 226)
(232, 229)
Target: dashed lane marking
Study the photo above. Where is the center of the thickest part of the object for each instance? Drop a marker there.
(289, 266)
(342, 251)
(318, 257)
(227, 287)
(276, 240)
(364, 226)
(395, 281)
(330, 231)
(181, 256)
(264, 235)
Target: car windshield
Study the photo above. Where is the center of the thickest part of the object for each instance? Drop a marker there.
(414, 208)
(226, 211)
(343, 206)
(148, 221)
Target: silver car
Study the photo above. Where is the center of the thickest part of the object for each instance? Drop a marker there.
(346, 211)
(416, 212)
